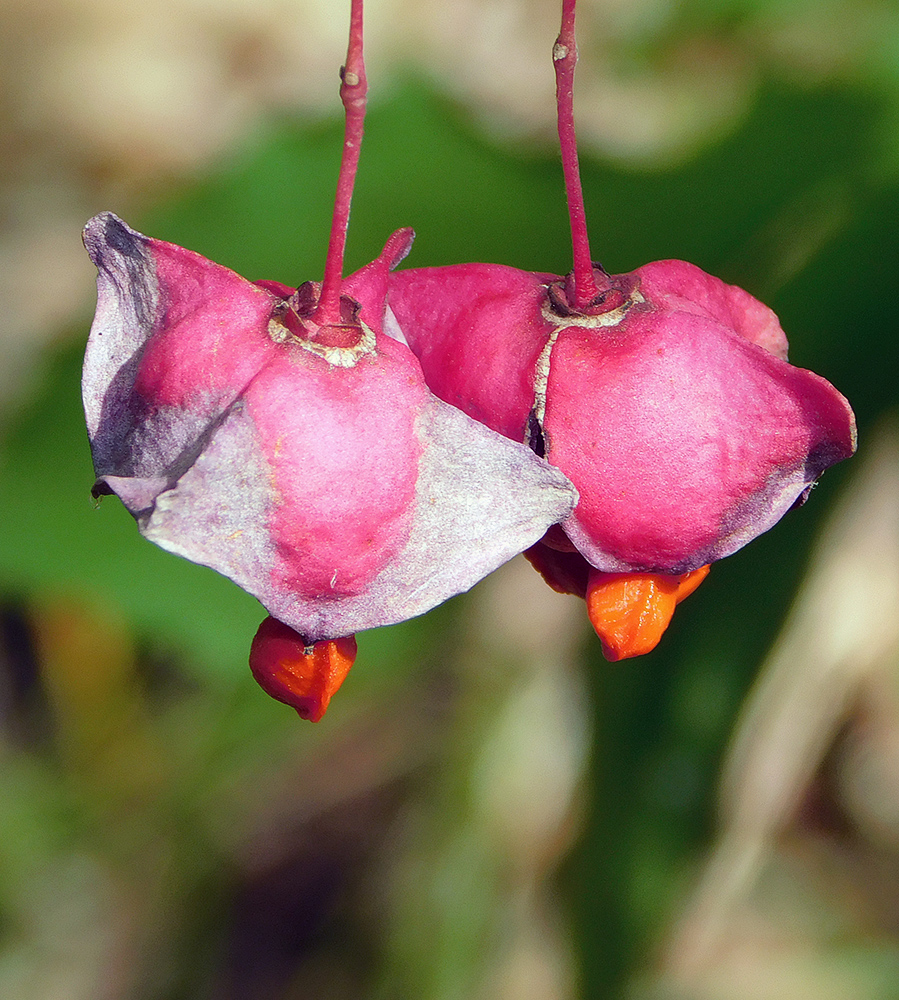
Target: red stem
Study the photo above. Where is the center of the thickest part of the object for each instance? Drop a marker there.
(353, 91)
(564, 61)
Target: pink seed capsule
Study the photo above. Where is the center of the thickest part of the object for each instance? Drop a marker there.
(309, 463)
(668, 403)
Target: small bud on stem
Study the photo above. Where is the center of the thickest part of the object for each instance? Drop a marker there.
(353, 91)
(564, 62)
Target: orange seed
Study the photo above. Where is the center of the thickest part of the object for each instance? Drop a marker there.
(630, 611)
(300, 674)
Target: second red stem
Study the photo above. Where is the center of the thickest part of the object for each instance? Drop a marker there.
(564, 62)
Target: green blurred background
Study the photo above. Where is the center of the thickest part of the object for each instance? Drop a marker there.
(488, 809)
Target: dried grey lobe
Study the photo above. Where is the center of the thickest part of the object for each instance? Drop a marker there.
(137, 494)
(128, 307)
(218, 511)
(156, 451)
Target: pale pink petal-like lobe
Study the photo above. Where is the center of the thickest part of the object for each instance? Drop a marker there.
(334, 487)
